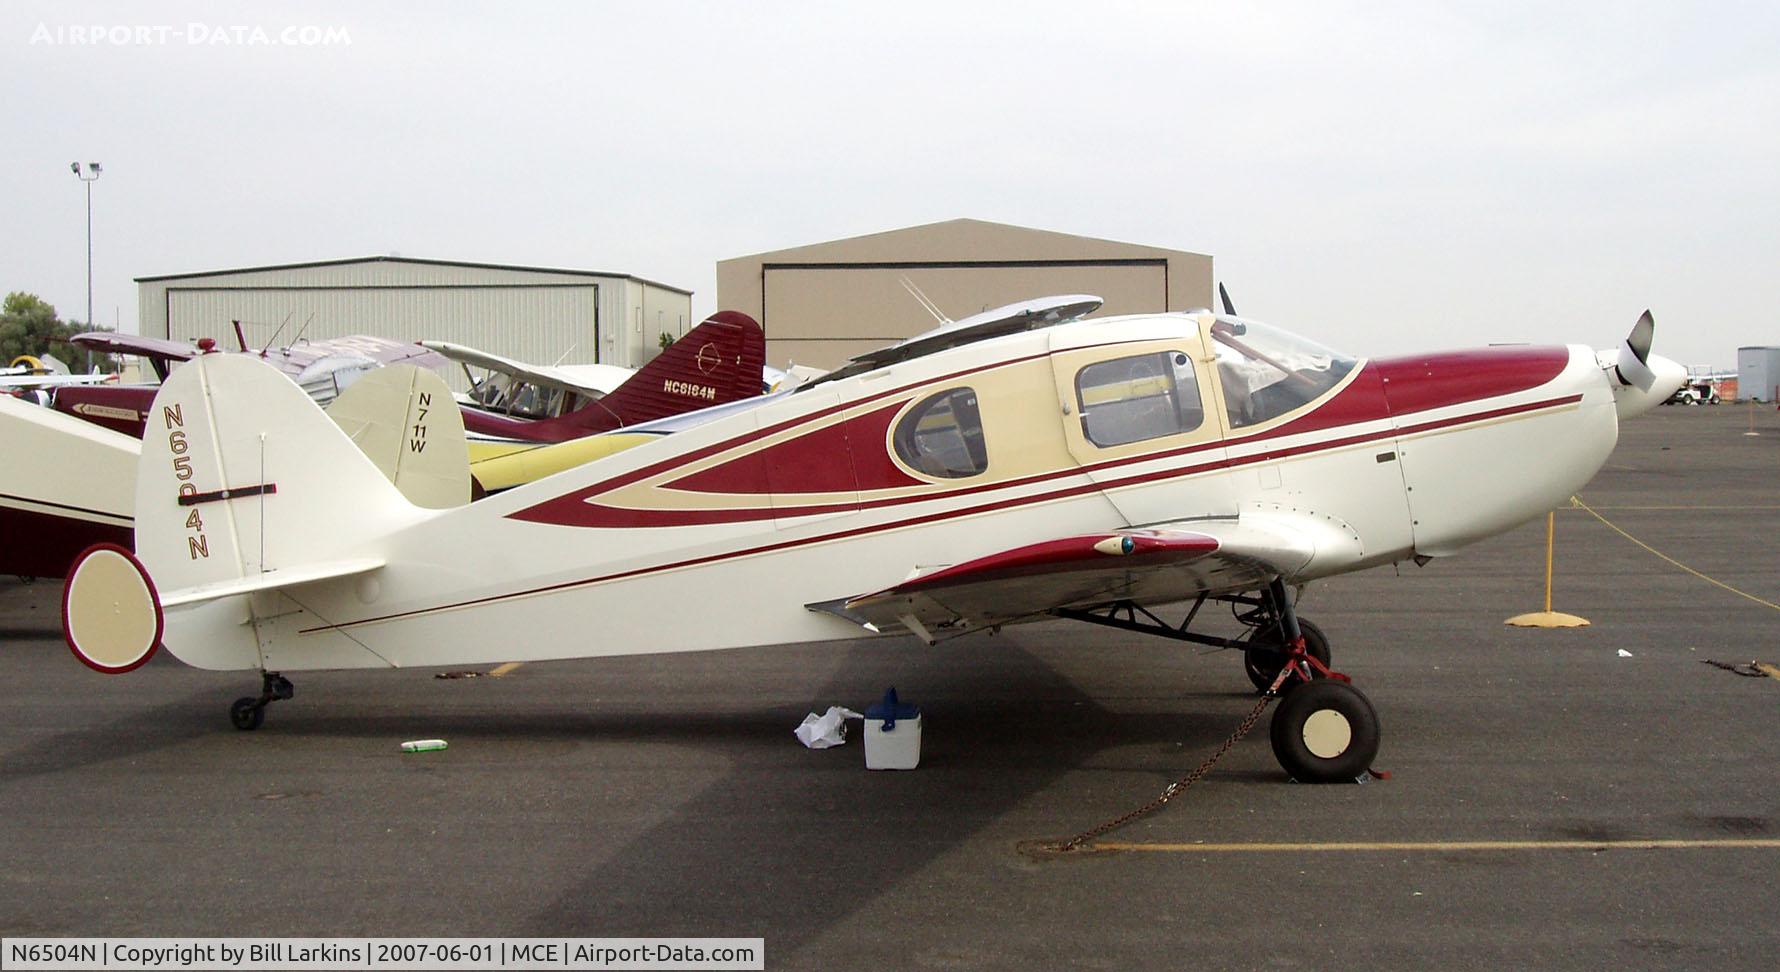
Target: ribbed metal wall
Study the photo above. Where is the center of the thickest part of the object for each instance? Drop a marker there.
(539, 323)
(1758, 373)
(533, 314)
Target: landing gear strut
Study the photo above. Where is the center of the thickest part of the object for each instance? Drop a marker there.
(1324, 730)
(248, 712)
(1264, 653)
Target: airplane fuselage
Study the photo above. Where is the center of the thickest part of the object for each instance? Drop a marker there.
(719, 535)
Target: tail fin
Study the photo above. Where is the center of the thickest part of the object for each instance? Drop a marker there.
(245, 486)
(717, 362)
(405, 420)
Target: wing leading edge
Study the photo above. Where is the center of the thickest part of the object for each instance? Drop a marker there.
(1155, 566)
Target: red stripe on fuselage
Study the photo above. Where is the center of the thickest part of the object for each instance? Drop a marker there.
(811, 463)
(560, 511)
(1366, 398)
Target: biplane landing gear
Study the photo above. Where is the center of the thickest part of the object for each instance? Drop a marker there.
(248, 712)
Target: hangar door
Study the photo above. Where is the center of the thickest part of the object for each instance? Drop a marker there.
(538, 323)
(823, 314)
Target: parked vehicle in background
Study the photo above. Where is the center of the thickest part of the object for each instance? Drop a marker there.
(1695, 392)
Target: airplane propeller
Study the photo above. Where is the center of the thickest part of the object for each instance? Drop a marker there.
(1644, 380)
(1230, 309)
(1633, 367)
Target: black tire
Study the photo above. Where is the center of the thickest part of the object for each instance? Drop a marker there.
(1262, 656)
(1325, 732)
(247, 714)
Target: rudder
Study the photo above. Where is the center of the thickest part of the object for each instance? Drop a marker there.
(717, 362)
(405, 420)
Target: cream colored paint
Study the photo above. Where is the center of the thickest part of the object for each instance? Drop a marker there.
(1327, 734)
(112, 614)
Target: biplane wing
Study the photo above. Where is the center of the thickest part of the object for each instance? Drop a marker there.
(588, 381)
(34, 382)
(29, 372)
(162, 354)
(112, 342)
(1155, 566)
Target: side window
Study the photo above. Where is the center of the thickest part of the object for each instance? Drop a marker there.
(1142, 397)
(943, 435)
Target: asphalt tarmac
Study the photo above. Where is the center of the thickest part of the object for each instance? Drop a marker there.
(666, 796)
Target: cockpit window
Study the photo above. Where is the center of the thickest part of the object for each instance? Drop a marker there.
(942, 436)
(1145, 396)
(503, 393)
(1267, 372)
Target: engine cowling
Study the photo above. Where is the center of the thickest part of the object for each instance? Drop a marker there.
(1640, 380)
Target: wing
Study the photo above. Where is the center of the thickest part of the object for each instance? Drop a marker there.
(52, 381)
(361, 351)
(1155, 566)
(110, 342)
(544, 377)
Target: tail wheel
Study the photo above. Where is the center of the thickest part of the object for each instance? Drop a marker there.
(247, 713)
(1263, 657)
(1325, 732)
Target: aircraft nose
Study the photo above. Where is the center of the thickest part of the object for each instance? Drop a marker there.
(1668, 377)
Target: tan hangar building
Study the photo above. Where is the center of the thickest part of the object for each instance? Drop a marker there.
(823, 303)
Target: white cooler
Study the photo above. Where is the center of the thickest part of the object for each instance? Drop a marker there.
(892, 735)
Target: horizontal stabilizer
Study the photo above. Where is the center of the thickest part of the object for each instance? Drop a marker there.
(271, 580)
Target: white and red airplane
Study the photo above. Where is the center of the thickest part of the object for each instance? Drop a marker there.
(1013, 466)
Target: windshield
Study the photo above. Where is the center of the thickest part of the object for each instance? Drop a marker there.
(501, 392)
(1267, 372)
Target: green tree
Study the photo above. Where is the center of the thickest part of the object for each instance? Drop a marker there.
(28, 325)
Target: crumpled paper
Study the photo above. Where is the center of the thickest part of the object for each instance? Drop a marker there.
(827, 729)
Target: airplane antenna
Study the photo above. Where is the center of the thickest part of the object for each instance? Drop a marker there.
(275, 334)
(262, 503)
(299, 335)
(1224, 295)
(921, 298)
(565, 354)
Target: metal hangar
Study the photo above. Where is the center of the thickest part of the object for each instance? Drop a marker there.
(823, 303)
(533, 314)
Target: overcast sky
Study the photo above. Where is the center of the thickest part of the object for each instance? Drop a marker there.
(1382, 177)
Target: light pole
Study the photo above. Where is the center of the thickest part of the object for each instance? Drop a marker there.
(89, 175)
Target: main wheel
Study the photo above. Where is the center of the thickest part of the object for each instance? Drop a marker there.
(247, 713)
(1325, 732)
(1263, 657)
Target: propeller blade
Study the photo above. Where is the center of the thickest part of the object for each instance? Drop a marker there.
(1229, 308)
(1633, 366)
